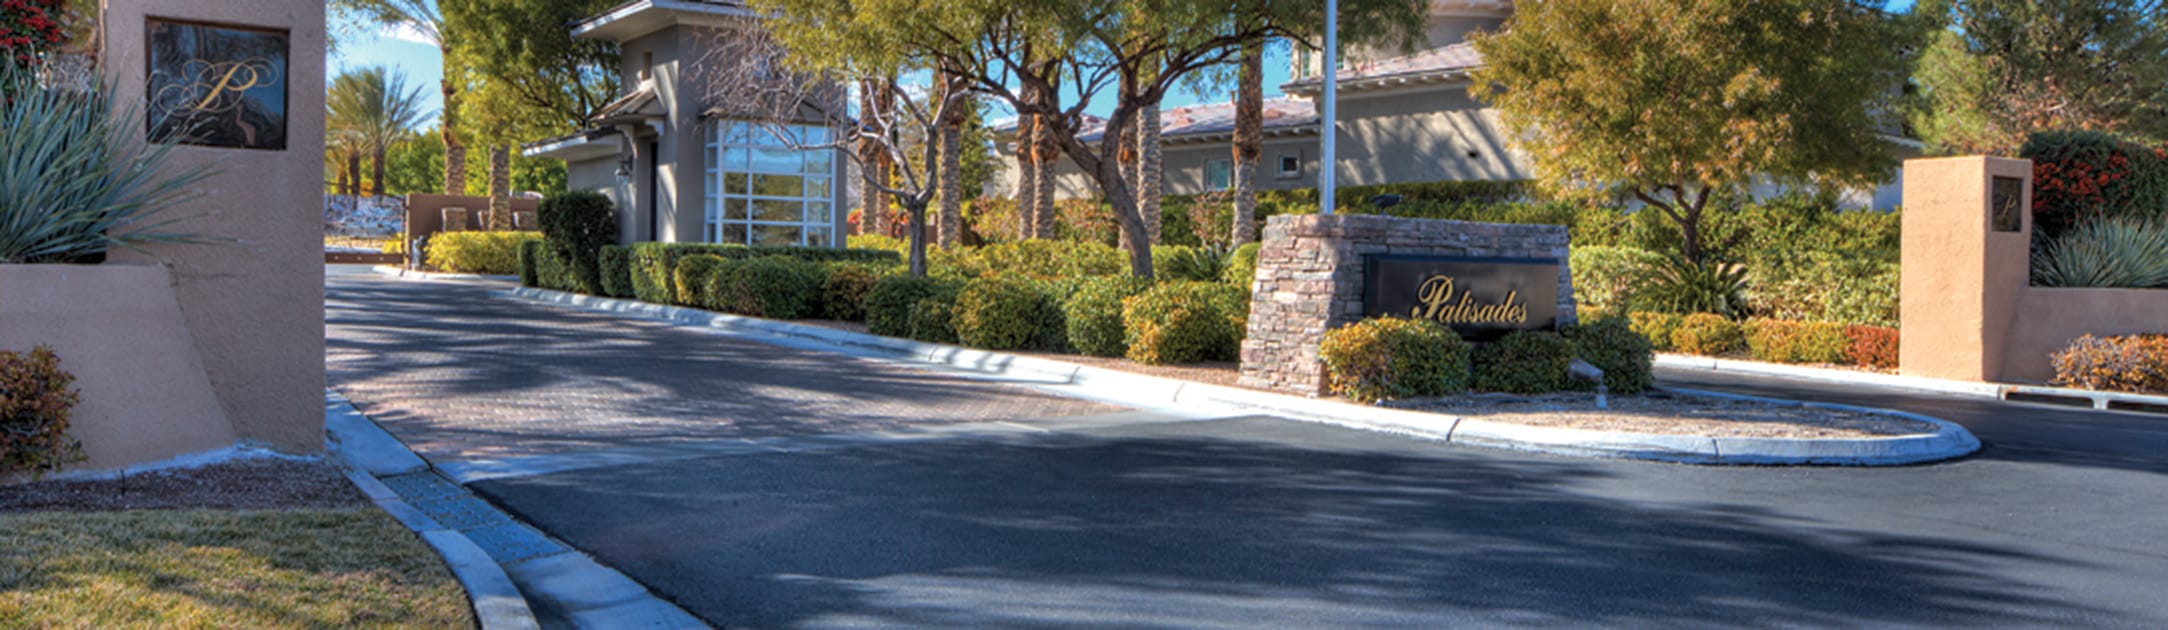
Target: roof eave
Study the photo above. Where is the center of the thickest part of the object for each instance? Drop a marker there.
(641, 17)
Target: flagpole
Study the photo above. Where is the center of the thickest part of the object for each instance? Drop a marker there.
(1329, 162)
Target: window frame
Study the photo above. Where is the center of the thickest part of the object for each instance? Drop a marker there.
(727, 138)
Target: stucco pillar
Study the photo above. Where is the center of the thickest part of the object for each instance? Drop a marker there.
(253, 300)
(1965, 267)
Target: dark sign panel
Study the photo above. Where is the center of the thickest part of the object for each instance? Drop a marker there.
(217, 86)
(1480, 298)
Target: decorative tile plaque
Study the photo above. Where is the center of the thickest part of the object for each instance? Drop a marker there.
(218, 86)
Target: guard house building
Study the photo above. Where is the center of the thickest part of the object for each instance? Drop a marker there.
(677, 166)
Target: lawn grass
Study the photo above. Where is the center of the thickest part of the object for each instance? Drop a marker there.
(323, 568)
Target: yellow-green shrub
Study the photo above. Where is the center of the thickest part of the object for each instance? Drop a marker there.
(1524, 362)
(1094, 314)
(616, 266)
(774, 287)
(1181, 322)
(1782, 341)
(843, 294)
(495, 253)
(1611, 345)
(1657, 327)
(1708, 334)
(893, 298)
(1003, 312)
(1392, 358)
(691, 277)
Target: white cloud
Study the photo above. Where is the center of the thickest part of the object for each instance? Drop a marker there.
(407, 33)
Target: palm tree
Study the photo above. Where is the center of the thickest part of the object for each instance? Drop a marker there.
(1249, 140)
(422, 18)
(375, 105)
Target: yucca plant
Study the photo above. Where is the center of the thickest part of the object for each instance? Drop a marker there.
(2128, 252)
(77, 177)
(1677, 285)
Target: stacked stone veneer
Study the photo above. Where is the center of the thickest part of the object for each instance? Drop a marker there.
(1310, 280)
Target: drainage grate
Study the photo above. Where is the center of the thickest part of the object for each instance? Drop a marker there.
(512, 542)
(2140, 407)
(462, 512)
(422, 486)
(2048, 399)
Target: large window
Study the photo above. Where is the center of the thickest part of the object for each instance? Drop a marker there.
(761, 192)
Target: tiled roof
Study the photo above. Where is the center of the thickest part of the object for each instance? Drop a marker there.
(1442, 61)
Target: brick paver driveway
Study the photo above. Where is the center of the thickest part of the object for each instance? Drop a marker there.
(459, 372)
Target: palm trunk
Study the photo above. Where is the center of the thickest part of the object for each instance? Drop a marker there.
(455, 154)
(376, 170)
(343, 183)
(500, 187)
(950, 175)
(1249, 142)
(1027, 177)
(353, 173)
(1046, 157)
(1149, 170)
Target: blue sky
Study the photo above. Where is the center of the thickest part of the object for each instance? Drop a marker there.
(422, 66)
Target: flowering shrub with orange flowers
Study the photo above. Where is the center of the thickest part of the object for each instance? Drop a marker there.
(31, 28)
(2079, 176)
(2131, 363)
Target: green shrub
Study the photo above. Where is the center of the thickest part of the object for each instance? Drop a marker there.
(1871, 346)
(1004, 312)
(615, 264)
(1094, 314)
(1610, 343)
(1180, 263)
(878, 242)
(2130, 363)
(843, 294)
(1242, 266)
(1180, 322)
(1606, 277)
(530, 258)
(692, 279)
(2123, 252)
(494, 253)
(890, 302)
(1657, 327)
(654, 264)
(1708, 334)
(933, 320)
(36, 399)
(2081, 176)
(1393, 358)
(1524, 362)
(774, 287)
(1781, 341)
(1044, 259)
(553, 270)
(1678, 286)
(580, 222)
(1825, 286)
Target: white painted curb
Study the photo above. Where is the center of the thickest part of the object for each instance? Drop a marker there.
(1950, 441)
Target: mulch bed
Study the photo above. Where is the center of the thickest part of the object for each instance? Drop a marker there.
(252, 484)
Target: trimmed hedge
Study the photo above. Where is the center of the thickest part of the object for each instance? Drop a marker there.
(1183, 322)
(691, 278)
(553, 270)
(654, 265)
(1094, 314)
(890, 302)
(530, 257)
(1708, 334)
(1871, 346)
(2129, 363)
(38, 398)
(843, 292)
(1610, 343)
(1044, 259)
(1524, 362)
(1657, 327)
(493, 253)
(1781, 341)
(1392, 358)
(774, 287)
(615, 264)
(579, 223)
(934, 320)
(1004, 313)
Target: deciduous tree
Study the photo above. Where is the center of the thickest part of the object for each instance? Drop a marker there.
(2002, 69)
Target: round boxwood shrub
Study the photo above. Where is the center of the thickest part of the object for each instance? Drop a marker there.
(1180, 322)
(692, 279)
(1391, 358)
(774, 287)
(1609, 343)
(1000, 312)
(843, 294)
(890, 301)
(933, 320)
(1708, 334)
(1094, 314)
(1524, 362)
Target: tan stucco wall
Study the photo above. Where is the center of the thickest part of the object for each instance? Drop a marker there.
(1961, 279)
(255, 303)
(2047, 319)
(120, 331)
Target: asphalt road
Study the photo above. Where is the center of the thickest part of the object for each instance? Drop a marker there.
(1143, 520)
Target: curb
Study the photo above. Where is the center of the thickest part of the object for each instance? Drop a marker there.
(2108, 401)
(507, 567)
(410, 274)
(1071, 379)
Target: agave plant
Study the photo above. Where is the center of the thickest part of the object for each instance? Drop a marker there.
(1678, 285)
(2127, 252)
(77, 178)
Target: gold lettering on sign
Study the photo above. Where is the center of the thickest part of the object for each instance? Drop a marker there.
(216, 87)
(1440, 303)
